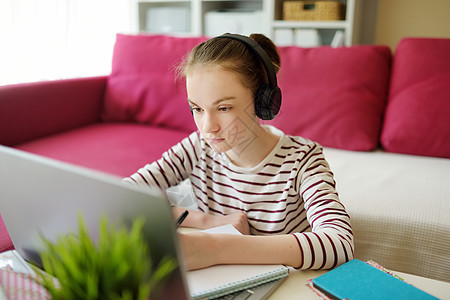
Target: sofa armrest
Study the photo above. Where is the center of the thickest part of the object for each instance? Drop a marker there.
(33, 110)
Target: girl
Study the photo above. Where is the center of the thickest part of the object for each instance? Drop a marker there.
(276, 189)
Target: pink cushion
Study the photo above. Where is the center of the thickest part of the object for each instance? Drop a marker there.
(143, 87)
(117, 148)
(334, 96)
(418, 112)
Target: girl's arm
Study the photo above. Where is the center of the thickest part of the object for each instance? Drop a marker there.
(174, 166)
(203, 249)
(330, 241)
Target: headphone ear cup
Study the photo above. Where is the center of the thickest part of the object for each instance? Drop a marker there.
(267, 102)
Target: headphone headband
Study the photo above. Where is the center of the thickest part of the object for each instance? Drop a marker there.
(259, 51)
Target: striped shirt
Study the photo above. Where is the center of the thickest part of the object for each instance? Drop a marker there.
(292, 191)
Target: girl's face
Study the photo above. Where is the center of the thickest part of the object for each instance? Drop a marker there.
(223, 108)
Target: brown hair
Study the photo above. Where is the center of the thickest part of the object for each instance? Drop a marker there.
(233, 55)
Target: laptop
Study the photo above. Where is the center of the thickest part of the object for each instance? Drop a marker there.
(44, 196)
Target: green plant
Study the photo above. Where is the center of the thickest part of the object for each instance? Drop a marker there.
(118, 267)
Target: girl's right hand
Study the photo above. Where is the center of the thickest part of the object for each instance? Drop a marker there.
(201, 220)
(238, 220)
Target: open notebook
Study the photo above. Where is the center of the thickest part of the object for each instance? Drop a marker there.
(216, 281)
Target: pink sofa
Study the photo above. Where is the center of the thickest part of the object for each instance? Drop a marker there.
(359, 102)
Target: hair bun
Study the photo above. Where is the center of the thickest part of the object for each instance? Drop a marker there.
(269, 47)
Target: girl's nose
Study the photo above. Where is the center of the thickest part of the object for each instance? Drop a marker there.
(210, 124)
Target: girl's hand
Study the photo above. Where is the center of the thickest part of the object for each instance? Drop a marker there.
(201, 220)
(238, 220)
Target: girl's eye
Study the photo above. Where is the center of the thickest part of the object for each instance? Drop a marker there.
(224, 108)
(196, 109)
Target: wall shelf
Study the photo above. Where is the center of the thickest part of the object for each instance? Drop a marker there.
(310, 24)
(209, 17)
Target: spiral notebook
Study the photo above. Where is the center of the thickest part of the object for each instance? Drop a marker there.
(217, 281)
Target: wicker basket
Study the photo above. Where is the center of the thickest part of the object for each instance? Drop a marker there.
(313, 10)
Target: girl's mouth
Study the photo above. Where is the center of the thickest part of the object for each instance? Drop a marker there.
(213, 141)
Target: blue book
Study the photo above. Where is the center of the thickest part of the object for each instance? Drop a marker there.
(358, 280)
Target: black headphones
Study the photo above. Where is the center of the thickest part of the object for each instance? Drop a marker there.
(268, 95)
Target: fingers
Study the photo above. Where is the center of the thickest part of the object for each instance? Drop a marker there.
(240, 222)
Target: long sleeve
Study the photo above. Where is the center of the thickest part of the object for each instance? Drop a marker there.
(174, 166)
(330, 241)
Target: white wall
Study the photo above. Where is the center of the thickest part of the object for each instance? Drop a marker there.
(53, 39)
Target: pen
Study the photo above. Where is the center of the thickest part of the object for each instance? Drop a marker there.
(181, 218)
